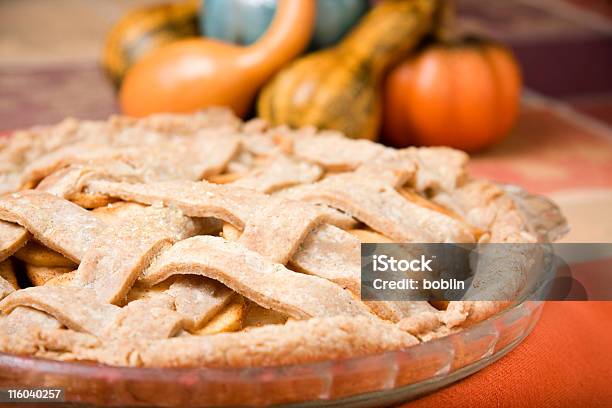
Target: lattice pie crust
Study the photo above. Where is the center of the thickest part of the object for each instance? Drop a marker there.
(199, 240)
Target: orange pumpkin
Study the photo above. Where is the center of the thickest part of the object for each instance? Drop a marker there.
(463, 94)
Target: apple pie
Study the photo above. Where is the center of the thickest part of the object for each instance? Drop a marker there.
(199, 240)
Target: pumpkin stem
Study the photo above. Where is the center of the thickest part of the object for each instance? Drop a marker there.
(446, 22)
(288, 35)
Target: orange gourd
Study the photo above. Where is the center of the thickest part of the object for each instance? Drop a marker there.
(195, 73)
(464, 94)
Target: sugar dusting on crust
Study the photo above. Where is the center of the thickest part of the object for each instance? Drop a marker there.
(59, 224)
(268, 284)
(159, 161)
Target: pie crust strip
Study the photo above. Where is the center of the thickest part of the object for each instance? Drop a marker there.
(277, 230)
(393, 167)
(196, 199)
(212, 152)
(281, 172)
(438, 168)
(336, 217)
(57, 223)
(201, 155)
(152, 318)
(486, 206)
(235, 205)
(23, 319)
(78, 309)
(124, 249)
(80, 153)
(383, 209)
(268, 284)
(334, 151)
(541, 216)
(198, 299)
(331, 253)
(12, 238)
(70, 181)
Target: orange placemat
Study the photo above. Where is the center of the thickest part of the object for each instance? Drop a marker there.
(567, 360)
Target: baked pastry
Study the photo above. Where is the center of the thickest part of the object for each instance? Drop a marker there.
(199, 240)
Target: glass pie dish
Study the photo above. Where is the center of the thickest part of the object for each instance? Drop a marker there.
(374, 380)
(371, 380)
